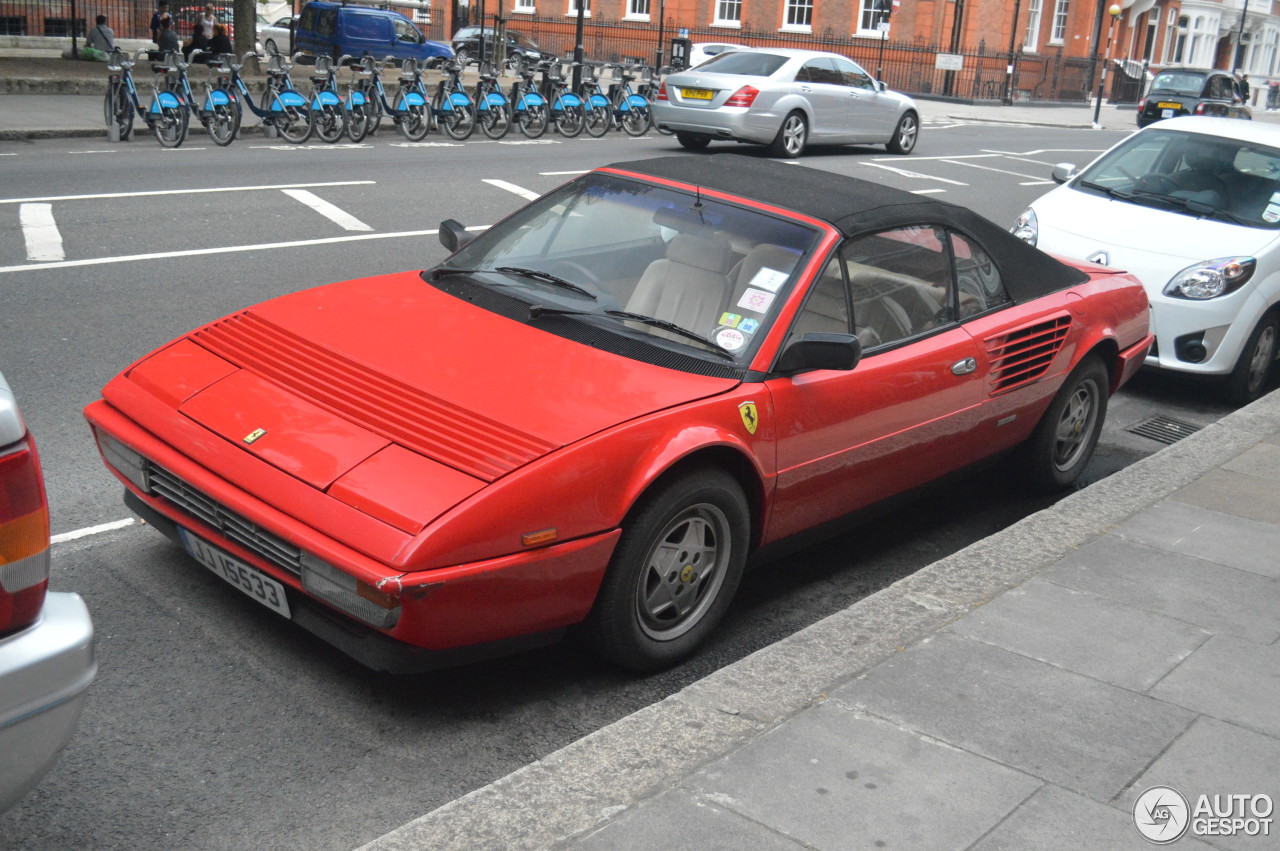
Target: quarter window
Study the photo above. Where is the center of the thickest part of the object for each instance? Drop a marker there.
(978, 283)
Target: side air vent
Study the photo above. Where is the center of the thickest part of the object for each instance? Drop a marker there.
(1022, 356)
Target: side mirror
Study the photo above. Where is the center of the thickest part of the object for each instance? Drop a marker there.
(1062, 172)
(820, 351)
(882, 86)
(453, 234)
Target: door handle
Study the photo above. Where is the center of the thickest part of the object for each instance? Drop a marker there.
(964, 367)
(805, 89)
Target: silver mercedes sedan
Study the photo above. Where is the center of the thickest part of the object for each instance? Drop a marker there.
(785, 99)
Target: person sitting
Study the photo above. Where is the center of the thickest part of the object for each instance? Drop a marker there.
(198, 40)
(167, 39)
(101, 37)
(221, 42)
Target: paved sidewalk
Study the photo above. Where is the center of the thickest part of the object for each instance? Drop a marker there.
(1021, 693)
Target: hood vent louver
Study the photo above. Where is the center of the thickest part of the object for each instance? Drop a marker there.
(1023, 356)
(412, 418)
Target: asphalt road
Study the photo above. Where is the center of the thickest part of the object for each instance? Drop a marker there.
(214, 724)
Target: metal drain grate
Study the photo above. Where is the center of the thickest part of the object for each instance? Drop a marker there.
(1163, 429)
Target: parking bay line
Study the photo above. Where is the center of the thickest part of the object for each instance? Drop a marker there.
(155, 192)
(527, 194)
(92, 530)
(228, 249)
(905, 173)
(44, 242)
(338, 216)
(997, 170)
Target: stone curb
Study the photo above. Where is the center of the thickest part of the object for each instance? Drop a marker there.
(580, 787)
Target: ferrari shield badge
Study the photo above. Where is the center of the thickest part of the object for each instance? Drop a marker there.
(750, 417)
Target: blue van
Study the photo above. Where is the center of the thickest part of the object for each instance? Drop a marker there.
(337, 28)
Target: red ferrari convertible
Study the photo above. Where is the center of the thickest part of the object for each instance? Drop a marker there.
(597, 410)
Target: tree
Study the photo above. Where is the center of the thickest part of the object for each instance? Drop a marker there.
(245, 14)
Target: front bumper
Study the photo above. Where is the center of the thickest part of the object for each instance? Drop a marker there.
(1221, 325)
(45, 672)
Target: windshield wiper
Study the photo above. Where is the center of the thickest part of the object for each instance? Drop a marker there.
(546, 277)
(716, 348)
(1107, 190)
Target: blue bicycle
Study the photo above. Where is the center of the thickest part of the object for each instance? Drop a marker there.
(326, 103)
(284, 109)
(493, 110)
(451, 106)
(367, 102)
(528, 107)
(567, 111)
(166, 115)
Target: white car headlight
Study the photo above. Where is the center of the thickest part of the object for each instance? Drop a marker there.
(1026, 227)
(1211, 278)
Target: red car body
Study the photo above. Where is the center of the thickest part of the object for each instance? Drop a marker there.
(481, 498)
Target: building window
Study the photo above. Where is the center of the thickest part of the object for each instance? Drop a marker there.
(799, 15)
(525, 7)
(1059, 33)
(1032, 40)
(638, 9)
(870, 14)
(729, 13)
(573, 8)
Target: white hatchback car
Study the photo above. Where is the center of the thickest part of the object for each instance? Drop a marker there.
(1191, 207)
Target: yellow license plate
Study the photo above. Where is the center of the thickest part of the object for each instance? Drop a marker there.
(1168, 105)
(697, 94)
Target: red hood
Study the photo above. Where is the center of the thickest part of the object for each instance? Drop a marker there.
(391, 367)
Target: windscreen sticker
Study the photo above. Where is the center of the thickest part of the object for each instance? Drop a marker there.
(729, 319)
(769, 279)
(757, 300)
(748, 326)
(1272, 213)
(731, 339)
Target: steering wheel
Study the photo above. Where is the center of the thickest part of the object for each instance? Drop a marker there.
(578, 274)
(1156, 183)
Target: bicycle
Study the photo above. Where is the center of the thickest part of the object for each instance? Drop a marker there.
(597, 110)
(165, 116)
(528, 107)
(630, 110)
(220, 101)
(451, 106)
(493, 110)
(284, 108)
(216, 112)
(326, 103)
(567, 113)
(368, 100)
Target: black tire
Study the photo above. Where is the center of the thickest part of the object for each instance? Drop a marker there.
(330, 123)
(596, 119)
(415, 122)
(905, 135)
(358, 122)
(1248, 380)
(532, 120)
(636, 121)
(1062, 445)
(457, 122)
(222, 124)
(170, 126)
(295, 123)
(693, 141)
(494, 121)
(118, 110)
(792, 138)
(569, 121)
(674, 572)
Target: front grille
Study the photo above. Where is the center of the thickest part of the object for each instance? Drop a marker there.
(232, 526)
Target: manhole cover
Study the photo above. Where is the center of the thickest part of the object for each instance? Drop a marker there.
(1163, 429)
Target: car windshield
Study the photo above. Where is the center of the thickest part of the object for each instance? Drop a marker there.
(745, 64)
(1178, 83)
(1192, 173)
(670, 267)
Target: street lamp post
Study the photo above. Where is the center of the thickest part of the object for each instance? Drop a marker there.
(1013, 35)
(1239, 63)
(1114, 12)
(662, 21)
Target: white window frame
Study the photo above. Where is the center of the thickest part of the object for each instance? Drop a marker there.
(525, 7)
(1058, 32)
(1032, 40)
(573, 9)
(633, 10)
(796, 8)
(866, 12)
(734, 6)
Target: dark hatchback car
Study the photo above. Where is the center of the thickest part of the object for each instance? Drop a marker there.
(467, 40)
(1192, 91)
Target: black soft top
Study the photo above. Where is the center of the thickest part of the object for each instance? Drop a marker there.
(857, 206)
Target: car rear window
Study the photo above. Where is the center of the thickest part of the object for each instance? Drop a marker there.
(746, 64)
(1178, 82)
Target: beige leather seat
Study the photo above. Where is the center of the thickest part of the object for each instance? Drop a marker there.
(689, 287)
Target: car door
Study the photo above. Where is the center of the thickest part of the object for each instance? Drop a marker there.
(873, 115)
(364, 33)
(902, 416)
(820, 85)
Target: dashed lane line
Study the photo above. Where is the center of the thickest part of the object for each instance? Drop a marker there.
(44, 242)
(527, 194)
(338, 216)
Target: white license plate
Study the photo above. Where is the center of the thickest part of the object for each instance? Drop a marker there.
(1166, 113)
(248, 579)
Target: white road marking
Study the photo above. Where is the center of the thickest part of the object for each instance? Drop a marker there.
(93, 530)
(228, 249)
(44, 243)
(93, 152)
(527, 194)
(425, 145)
(954, 157)
(338, 216)
(555, 173)
(326, 147)
(529, 142)
(905, 173)
(1035, 183)
(1048, 151)
(990, 168)
(180, 150)
(185, 191)
(926, 191)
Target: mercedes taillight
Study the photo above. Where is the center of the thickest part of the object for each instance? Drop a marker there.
(744, 96)
(24, 536)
